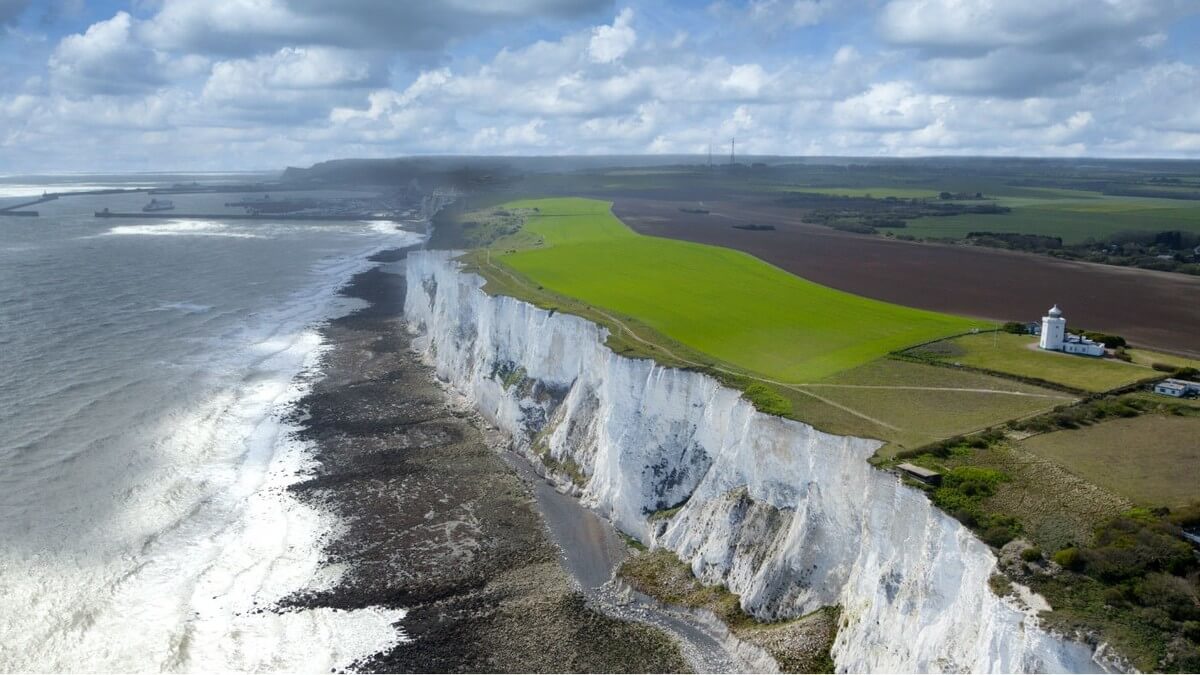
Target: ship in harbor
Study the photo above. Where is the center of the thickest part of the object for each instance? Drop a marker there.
(158, 205)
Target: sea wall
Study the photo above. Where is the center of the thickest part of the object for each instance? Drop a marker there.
(786, 516)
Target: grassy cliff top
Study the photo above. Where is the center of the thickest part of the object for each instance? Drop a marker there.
(723, 303)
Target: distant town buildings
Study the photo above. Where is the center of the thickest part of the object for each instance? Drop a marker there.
(1054, 336)
(1177, 388)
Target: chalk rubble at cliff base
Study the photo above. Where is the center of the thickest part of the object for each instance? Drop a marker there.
(788, 517)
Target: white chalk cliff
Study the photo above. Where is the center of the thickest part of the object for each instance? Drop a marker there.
(786, 516)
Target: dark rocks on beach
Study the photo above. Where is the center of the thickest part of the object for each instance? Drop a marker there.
(433, 521)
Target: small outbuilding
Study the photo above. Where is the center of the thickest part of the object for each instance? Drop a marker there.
(927, 476)
(1177, 388)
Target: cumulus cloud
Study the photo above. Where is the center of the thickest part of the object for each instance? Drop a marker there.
(107, 60)
(293, 83)
(262, 83)
(889, 106)
(1026, 47)
(297, 70)
(610, 43)
(960, 27)
(520, 137)
(238, 26)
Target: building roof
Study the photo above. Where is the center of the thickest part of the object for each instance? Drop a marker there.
(918, 470)
(1181, 383)
(1054, 312)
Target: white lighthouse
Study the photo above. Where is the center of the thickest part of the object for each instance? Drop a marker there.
(1054, 330)
(1056, 338)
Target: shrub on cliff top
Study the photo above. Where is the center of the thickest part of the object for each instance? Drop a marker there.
(1069, 558)
(768, 400)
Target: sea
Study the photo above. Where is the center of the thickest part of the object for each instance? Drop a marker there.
(146, 368)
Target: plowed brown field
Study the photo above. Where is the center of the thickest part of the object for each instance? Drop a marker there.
(1151, 309)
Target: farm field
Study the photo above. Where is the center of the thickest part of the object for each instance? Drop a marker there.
(1152, 460)
(1147, 357)
(878, 192)
(1074, 221)
(707, 308)
(921, 403)
(1074, 215)
(723, 303)
(1148, 308)
(1019, 355)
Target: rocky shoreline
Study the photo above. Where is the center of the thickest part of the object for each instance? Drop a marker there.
(435, 522)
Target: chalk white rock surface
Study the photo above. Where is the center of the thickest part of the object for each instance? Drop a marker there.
(786, 516)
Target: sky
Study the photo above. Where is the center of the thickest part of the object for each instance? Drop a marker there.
(149, 85)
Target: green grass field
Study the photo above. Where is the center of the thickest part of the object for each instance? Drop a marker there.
(1073, 220)
(1019, 355)
(923, 403)
(1152, 460)
(1146, 357)
(1073, 215)
(720, 302)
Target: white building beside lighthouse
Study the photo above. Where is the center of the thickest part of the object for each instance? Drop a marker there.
(1055, 337)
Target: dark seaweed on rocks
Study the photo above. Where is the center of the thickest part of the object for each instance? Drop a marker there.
(433, 521)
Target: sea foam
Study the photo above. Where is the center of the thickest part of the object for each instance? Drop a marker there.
(182, 573)
(185, 228)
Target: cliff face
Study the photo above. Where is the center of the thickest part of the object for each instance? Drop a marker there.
(788, 517)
